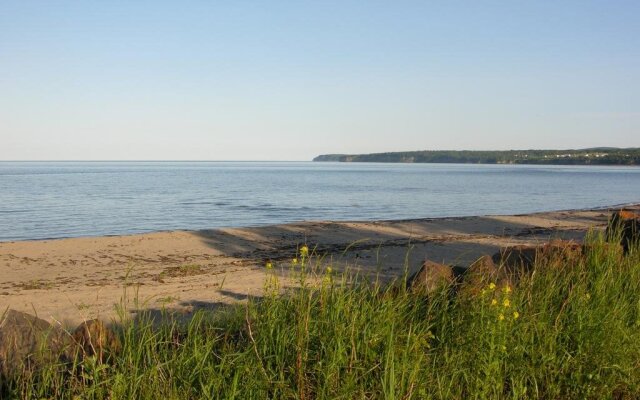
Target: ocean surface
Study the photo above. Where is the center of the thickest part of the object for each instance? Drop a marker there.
(41, 200)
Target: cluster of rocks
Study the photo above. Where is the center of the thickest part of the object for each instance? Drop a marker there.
(504, 267)
(27, 342)
(507, 265)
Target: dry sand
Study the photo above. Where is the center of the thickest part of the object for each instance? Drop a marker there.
(69, 280)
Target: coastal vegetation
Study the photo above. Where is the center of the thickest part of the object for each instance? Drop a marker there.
(570, 329)
(591, 156)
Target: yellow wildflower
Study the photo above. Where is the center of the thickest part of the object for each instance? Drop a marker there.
(304, 251)
(516, 315)
(268, 265)
(506, 303)
(506, 289)
(295, 261)
(494, 302)
(329, 270)
(501, 317)
(492, 286)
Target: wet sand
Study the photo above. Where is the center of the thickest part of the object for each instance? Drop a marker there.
(69, 280)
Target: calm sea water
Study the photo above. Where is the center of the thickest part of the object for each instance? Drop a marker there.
(67, 199)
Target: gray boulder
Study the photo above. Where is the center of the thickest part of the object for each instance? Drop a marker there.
(94, 338)
(480, 274)
(624, 225)
(27, 341)
(431, 277)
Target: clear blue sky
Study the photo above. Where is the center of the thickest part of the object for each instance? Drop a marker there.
(270, 80)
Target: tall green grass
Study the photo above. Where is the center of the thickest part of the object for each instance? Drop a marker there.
(571, 329)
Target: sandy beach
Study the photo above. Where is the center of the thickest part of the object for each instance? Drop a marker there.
(69, 280)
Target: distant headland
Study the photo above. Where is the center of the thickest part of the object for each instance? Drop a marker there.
(591, 156)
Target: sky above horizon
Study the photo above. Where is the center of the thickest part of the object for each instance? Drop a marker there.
(277, 80)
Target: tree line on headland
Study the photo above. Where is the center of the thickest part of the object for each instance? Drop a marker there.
(591, 156)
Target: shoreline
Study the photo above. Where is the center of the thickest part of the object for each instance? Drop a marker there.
(256, 226)
(73, 279)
